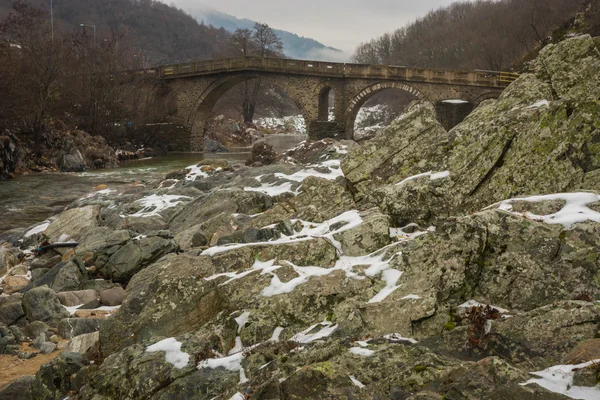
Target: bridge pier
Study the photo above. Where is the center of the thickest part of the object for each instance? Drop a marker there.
(452, 113)
(318, 130)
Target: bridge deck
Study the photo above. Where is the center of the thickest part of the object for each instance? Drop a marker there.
(337, 70)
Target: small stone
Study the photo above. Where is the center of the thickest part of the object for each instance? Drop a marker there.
(47, 347)
(12, 284)
(24, 355)
(112, 297)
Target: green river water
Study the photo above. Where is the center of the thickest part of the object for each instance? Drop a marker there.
(30, 199)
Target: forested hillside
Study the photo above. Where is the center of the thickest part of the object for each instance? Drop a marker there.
(163, 34)
(484, 34)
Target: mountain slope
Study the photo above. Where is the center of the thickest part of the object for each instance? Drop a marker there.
(165, 34)
(294, 46)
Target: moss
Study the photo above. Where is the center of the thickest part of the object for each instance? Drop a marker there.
(420, 368)
(326, 368)
(283, 359)
(329, 317)
(449, 325)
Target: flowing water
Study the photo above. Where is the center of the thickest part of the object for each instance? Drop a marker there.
(30, 199)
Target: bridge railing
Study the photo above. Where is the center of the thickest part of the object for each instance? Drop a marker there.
(367, 71)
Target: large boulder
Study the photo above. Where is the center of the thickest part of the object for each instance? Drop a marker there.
(73, 223)
(54, 380)
(222, 201)
(10, 309)
(540, 136)
(42, 304)
(414, 143)
(166, 299)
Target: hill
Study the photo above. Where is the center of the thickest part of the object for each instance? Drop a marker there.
(486, 34)
(165, 34)
(294, 46)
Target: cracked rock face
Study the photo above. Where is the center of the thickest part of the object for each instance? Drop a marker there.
(541, 136)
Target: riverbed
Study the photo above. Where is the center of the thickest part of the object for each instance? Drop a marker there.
(30, 199)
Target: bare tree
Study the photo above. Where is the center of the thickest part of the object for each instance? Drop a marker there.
(267, 41)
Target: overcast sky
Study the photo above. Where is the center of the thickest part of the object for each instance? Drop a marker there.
(339, 23)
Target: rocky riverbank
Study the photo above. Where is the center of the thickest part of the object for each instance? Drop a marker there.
(57, 149)
(421, 264)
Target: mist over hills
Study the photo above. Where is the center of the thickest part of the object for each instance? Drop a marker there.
(294, 46)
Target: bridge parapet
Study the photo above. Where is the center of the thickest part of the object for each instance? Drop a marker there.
(339, 70)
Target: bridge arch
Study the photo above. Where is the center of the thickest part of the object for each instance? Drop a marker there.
(323, 102)
(365, 94)
(485, 96)
(202, 106)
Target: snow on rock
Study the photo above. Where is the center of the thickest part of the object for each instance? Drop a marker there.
(356, 382)
(195, 173)
(359, 351)
(541, 103)
(154, 204)
(276, 334)
(329, 169)
(475, 303)
(377, 262)
(293, 124)
(432, 176)
(110, 309)
(37, 229)
(173, 353)
(309, 231)
(306, 337)
(394, 337)
(230, 363)
(559, 379)
(575, 210)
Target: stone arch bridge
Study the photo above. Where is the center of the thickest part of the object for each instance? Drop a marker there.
(199, 85)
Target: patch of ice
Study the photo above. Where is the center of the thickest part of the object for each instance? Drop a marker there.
(242, 320)
(356, 381)
(110, 309)
(237, 396)
(400, 233)
(306, 337)
(37, 229)
(432, 176)
(559, 379)
(575, 210)
(359, 351)
(173, 353)
(362, 343)
(155, 204)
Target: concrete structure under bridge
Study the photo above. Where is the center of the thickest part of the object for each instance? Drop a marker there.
(199, 85)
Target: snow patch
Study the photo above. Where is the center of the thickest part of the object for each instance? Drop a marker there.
(155, 204)
(37, 229)
(306, 337)
(575, 210)
(173, 353)
(559, 379)
(432, 176)
(359, 351)
(356, 381)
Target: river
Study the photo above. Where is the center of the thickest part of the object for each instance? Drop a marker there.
(30, 199)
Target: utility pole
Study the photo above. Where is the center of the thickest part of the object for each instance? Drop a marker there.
(93, 26)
